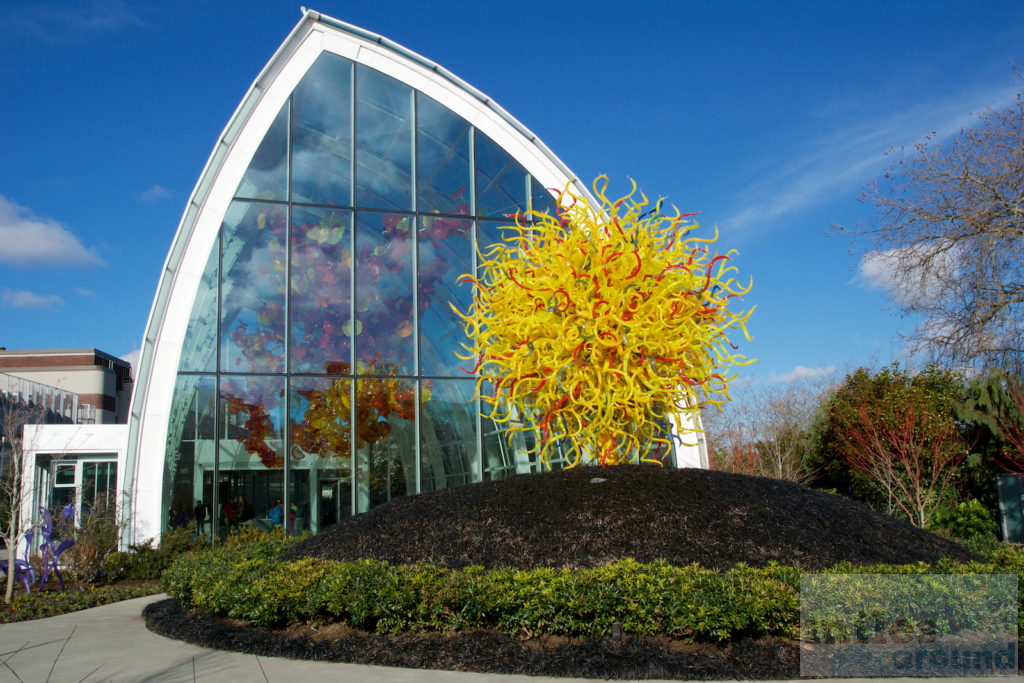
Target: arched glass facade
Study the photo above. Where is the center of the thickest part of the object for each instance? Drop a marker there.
(318, 375)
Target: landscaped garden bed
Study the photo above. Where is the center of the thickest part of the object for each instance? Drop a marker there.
(523, 576)
(51, 601)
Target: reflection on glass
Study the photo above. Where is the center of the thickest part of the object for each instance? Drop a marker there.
(99, 486)
(541, 200)
(252, 288)
(344, 138)
(320, 456)
(267, 175)
(492, 233)
(442, 159)
(199, 354)
(445, 254)
(251, 458)
(506, 452)
(321, 291)
(322, 133)
(385, 440)
(500, 181)
(190, 455)
(448, 449)
(383, 141)
(384, 301)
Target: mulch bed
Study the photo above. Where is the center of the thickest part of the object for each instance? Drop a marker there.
(569, 519)
(489, 651)
(583, 517)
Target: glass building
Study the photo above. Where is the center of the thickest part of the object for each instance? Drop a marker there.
(299, 361)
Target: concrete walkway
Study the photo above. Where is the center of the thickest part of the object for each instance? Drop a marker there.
(111, 643)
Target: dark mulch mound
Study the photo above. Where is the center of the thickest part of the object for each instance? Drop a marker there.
(491, 652)
(568, 519)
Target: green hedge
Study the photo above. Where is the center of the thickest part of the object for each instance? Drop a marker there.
(246, 582)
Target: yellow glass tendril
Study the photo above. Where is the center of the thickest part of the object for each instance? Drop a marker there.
(596, 326)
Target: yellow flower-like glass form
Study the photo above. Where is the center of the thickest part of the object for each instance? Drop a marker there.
(596, 326)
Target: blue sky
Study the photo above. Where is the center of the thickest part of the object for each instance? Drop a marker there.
(768, 118)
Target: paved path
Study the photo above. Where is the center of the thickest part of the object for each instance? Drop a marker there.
(111, 643)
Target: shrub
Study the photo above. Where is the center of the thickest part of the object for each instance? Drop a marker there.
(146, 563)
(966, 520)
(245, 581)
(95, 534)
(41, 604)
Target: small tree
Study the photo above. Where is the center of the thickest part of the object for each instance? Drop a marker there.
(902, 433)
(13, 468)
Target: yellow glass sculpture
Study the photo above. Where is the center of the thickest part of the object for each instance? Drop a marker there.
(596, 325)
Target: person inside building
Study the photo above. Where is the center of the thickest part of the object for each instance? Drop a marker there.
(276, 513)
(200, 516)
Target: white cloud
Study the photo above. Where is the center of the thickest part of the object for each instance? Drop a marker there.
(27, 239)
(155, 193)
(801, 373)
(133, 358)
(82, 291)
(24, 299)
(57, 22)
(839, 163)
(913, 275)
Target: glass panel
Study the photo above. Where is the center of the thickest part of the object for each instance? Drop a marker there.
(542, 200)
(321, 291)
(98, 487)
(252, 288)
(385, 440)
(448, 449)
(62, 496)
(442, 159)
(267, 175)
(250, 488)
(505, 453)
(322, 133)
(491, 233)
(65, 475)
(190, 455)
(384, 301)
(199, 352)
(383, 141)
(320, 459)
(90, 485)
(500, 181)
(446, 253)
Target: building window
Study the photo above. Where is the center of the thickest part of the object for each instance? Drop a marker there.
(87, 483)
(318, 374)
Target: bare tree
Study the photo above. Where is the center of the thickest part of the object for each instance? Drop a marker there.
(14, 415)
(764, 432)
(948, 238)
